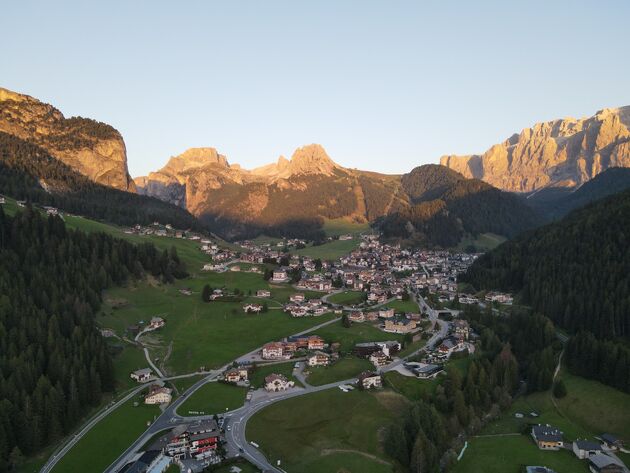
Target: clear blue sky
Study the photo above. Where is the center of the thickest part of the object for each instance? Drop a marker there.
(382, 85)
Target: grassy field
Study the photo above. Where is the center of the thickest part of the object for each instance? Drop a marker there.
(257, 376)
(116, 431)
(410, 387)
(357, 333)
(589, 409)
(201, 334)
(347, 298)
(508, 454)
(188, 251)
(340, 226)
(329, 431)
(213, 398)
(483, 242)
(609, 413)
(329, 251)
(130, 359)
(404, 306)
(345, 368)
(182, 384)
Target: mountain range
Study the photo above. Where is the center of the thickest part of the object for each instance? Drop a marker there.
(557, 153)
(514, 186)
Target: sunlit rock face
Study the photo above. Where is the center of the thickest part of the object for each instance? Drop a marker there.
(565, 152)
(92, 148)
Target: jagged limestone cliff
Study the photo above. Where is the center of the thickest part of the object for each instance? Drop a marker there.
(309, 185)
(565, 152)
(92, 148)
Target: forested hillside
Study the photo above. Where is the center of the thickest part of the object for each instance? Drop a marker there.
(29, 172)
(446, 207)
(428, 435)
(555, 203)
(576, 271)
(54, 364)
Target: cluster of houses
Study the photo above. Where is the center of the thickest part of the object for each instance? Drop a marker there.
(285, 350)
(278, 246)
(166, 230)
(299, 306)
(273, 382)
(600, 455)
(315, 282)
(382, 271)
(456, 341)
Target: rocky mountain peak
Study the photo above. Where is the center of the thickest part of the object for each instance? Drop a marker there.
(194, 158)
(311, 159)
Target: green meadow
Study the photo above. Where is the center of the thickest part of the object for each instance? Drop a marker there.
(328, 431)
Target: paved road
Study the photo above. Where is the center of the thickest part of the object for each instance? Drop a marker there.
(170, 418)
(435, 338)
(235, 435)
(56, 457)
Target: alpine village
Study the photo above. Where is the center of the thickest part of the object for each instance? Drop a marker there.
(470, 314)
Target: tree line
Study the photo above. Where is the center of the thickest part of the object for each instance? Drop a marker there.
(28, 172)
(456, 209)
(606, 361)
(428, 436)
(54, 364)
(576, 271)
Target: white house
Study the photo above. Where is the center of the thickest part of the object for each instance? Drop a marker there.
(143, 375)
(368, 380)
(277, 382)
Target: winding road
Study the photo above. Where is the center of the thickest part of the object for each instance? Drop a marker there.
(236, 420)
